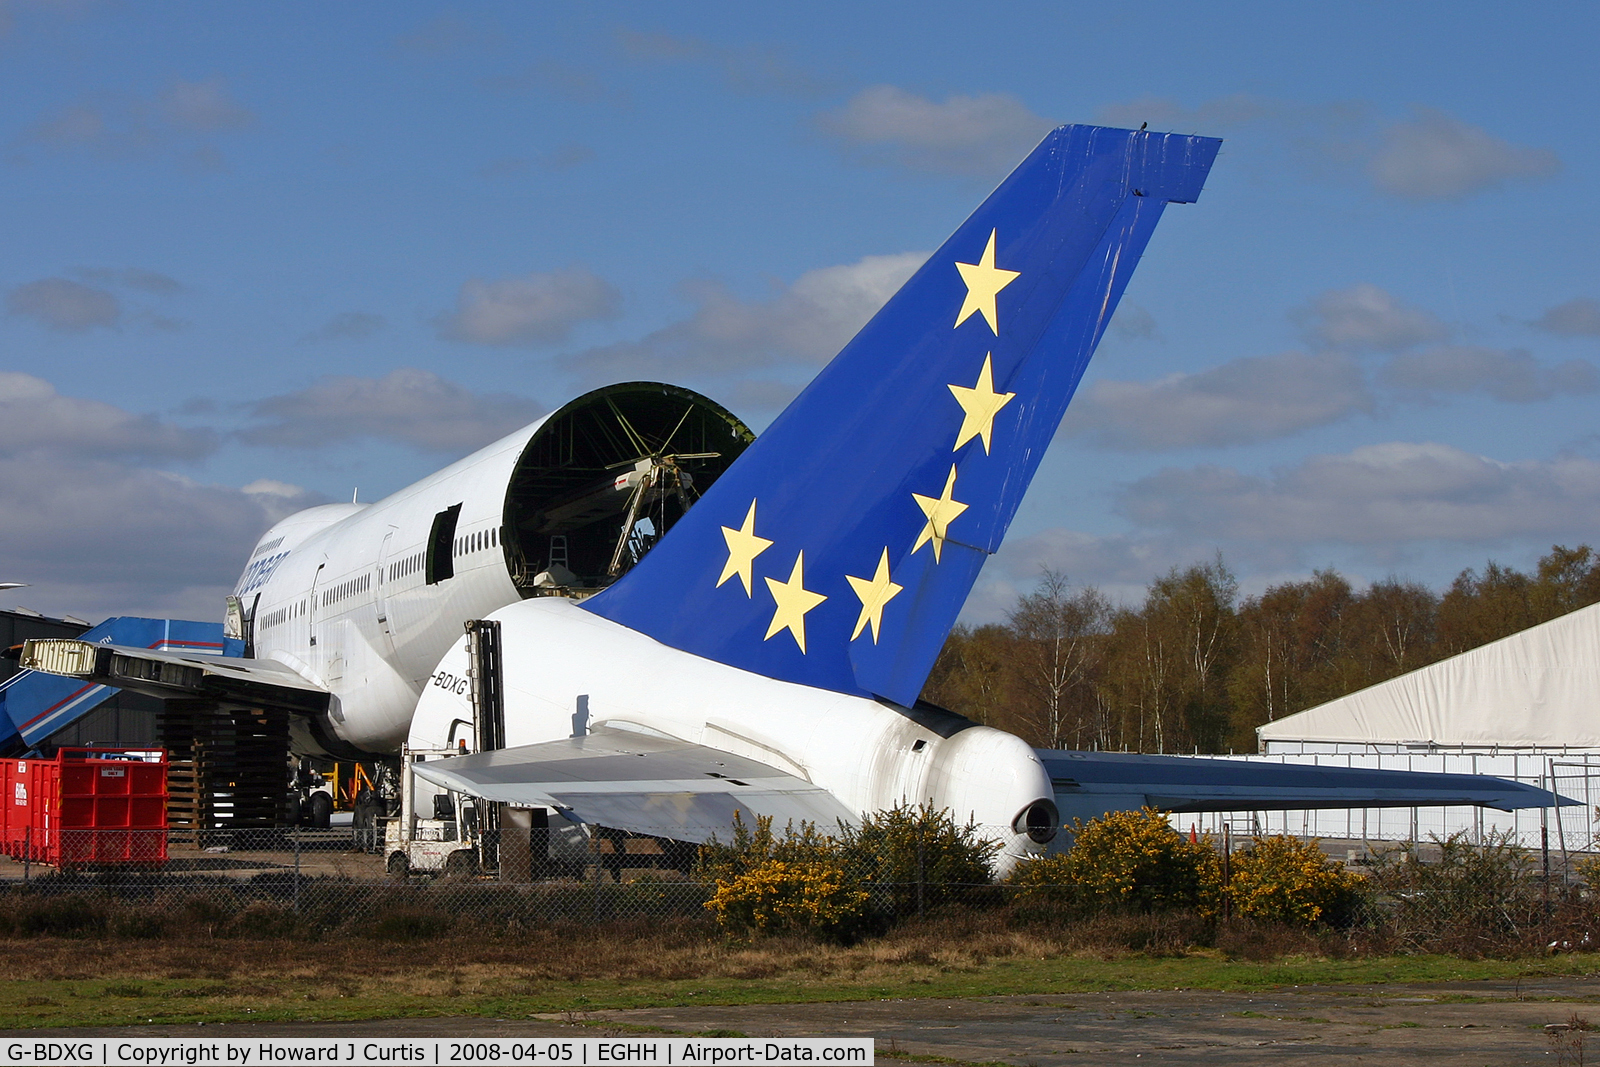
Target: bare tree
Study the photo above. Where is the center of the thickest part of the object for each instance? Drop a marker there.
(969, 677)
(1058, 633)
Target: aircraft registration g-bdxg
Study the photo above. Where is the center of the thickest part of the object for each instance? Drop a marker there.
(664, 665)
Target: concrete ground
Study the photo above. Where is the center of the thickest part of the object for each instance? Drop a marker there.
(1482, 1024)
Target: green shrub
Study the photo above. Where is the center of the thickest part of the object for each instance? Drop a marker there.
(895, 860)
(779, 896)
(1045, 883)
(904, 847)
(1125, 861)
(68, 915)
(751, 848)
(1283, 879)
(412, 925)
(263, 921)
(1473, 899)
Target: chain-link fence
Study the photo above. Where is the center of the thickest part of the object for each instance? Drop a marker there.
(1449, 895)
(1574, 775)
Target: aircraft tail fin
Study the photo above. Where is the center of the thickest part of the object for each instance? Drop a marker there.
(839, 548)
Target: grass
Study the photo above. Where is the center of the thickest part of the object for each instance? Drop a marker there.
(53, 981)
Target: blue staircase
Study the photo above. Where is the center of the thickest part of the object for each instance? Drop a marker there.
(33, 706)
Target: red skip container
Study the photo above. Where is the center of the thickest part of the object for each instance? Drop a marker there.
(87, 807)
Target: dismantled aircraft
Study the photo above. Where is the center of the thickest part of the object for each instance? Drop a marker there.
(680, 621)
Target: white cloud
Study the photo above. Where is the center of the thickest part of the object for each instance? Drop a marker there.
(1166, 114)
(1366, 318)
(63, 304)
(272, 492)
(1244, 400)
(577, 84)
(746, 394)
(79, 124)
(1376, 495)
(413, 406)
(181, 117)
(1131, 322)
(969, 135)
(566, 157)
(96, 531)
(133, 277)
(537, 308)
(571, 82)
(1436, 156)
(1512, 375)
(1429, 156)
(1574, 318)
(1119, 565)
(440, 36)
(203, 106)
(346, 326)
(97, 538)
(806, 323)
(748, 68)
(35, 419)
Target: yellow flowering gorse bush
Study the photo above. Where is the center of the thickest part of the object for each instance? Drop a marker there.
(892, 864)
(1126, 861)
(790, 897)
(1136, 861)
(1283, 879)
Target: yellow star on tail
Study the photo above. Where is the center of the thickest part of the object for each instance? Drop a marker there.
(984, 280)
(743, 548)
(981, 404)
(793, 600)
(941, 512)
(874, 592)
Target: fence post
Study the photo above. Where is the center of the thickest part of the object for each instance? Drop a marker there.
(920, 875)
(27, 852)
(1544, 848)
(594, 849)
(1227, 870)
(1561, 827)
(294, 832)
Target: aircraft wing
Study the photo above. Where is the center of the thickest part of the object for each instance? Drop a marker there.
(176, 674)
(639, 783)
(1088, 784)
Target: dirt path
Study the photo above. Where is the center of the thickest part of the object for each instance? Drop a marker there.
(1483, 1024)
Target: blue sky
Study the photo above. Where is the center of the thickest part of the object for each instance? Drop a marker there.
(257, 255)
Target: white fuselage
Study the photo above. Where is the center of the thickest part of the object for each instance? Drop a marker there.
(344, 601)
(567, 671)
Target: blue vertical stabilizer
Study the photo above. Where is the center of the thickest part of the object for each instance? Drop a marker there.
(838, 549)
(36, 705)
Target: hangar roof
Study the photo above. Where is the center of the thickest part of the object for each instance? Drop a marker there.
(1536, 688)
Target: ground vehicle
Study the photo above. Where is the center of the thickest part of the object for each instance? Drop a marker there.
(437, 830)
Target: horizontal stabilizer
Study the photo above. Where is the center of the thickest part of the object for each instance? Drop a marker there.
(175, 674)
(640, 783)
(1088, 784)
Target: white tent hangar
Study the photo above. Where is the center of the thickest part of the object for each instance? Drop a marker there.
(1535, 691)
(1526, 707)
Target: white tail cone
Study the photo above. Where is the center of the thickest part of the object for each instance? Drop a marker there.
(996, 782)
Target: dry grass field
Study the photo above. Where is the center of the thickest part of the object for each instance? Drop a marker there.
(80, 981)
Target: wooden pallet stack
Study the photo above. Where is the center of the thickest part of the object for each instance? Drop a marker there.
(228, 768)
